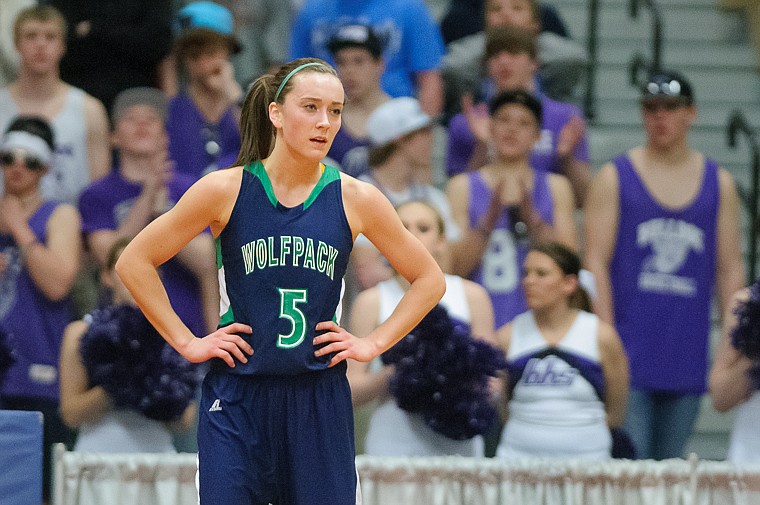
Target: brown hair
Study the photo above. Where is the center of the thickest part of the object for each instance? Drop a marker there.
(196, 41)
(533, 5)
(41, 13)
(377, 155)
(257, 133)
(512, 39)
(570, 263)
(115, 251)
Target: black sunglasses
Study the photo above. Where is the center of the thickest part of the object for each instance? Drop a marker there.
(31, 162)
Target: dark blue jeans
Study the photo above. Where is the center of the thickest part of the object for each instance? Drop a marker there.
(660, 423)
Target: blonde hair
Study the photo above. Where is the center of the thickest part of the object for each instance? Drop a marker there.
(41, 13)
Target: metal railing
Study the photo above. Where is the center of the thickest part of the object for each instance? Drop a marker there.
(638, 62)
(737, 123)
(656, 38)
(589, 101)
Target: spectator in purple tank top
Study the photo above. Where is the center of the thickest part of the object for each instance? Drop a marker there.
(203, 119)
(508, 204)
(358, 57)
(562, 147)
(40, 251)
(661, 236)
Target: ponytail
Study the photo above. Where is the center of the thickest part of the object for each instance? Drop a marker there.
(579, 299)
(256, 129)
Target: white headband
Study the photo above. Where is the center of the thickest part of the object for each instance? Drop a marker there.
(31, 143)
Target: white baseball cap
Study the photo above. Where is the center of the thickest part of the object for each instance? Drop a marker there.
(394, 119)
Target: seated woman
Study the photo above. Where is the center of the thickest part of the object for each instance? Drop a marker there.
(104, 426)
(567, 372)
(393, 431)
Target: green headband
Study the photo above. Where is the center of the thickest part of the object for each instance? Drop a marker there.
(292, 73)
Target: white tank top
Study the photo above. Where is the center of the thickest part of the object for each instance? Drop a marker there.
(744, 448)
(70, 171)
(124, 431)
(555, 408)
(396, 432)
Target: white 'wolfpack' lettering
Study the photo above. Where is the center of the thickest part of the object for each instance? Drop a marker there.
(289, 250)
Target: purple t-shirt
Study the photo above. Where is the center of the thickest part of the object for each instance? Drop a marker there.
(662, 275)
(350, 153)
(34, 322)
(500, 267)
(104, 205)
(556, 114)
(197, 146)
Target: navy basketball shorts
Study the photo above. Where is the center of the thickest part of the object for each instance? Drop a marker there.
(284, 440)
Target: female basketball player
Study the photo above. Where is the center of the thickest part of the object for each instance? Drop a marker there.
(276, 421)
(568, 373)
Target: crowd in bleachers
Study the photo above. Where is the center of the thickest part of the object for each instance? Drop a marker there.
(595, 284)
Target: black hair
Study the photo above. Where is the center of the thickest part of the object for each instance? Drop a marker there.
(520, 97)
(359, 36)
(36, 125)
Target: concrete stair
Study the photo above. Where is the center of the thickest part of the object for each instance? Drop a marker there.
(712, 48)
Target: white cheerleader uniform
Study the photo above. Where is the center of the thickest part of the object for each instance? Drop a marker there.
(396, 432)
(744, 448)
(556, 406)
(124, 431)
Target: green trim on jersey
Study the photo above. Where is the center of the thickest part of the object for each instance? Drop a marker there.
(329, 174)
(218, 247)
(227, 317)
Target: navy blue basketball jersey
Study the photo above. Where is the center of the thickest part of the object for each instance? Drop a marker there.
(281, 270)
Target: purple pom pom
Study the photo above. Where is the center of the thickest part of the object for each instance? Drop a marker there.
(6, 353)
(745, 336)
(124, 354)
(442, 373)
(754, 375)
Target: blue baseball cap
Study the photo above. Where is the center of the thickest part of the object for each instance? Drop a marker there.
(208, 15)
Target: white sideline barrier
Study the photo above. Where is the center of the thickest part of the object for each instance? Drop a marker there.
(169, 479)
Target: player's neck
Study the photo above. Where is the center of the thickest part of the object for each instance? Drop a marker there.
(287, 168)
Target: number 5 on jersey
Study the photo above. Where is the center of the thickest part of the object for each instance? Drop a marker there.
(289, 301)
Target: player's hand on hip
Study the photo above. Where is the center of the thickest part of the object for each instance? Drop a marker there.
(224, 343)
(343, 344)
